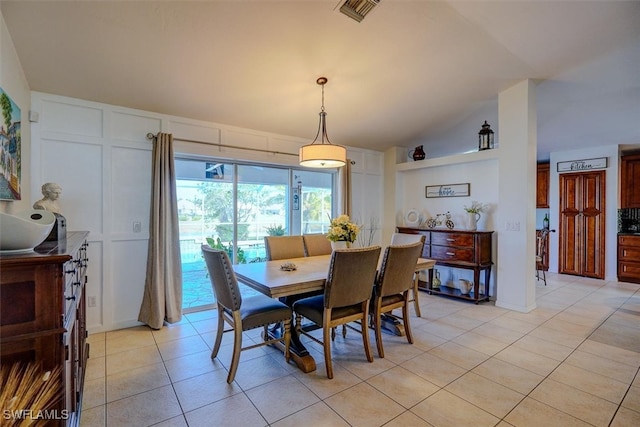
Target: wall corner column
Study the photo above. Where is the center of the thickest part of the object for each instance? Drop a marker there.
(516, 222)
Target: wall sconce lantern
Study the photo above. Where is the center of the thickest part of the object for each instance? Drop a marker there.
(485, 137)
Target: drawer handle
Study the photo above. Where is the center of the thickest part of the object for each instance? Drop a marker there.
(450, 253)
(71, 298)
(77, 283)
(73, 271)
(451, 240)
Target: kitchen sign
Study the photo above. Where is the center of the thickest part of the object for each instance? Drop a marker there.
(582, 165)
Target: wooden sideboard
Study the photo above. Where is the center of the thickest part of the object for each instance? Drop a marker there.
(470, 250)
(43, 317)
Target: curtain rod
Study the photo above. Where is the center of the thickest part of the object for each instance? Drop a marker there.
(212, 144)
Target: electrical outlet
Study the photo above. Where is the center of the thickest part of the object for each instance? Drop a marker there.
(137, 227)
(513, 226)
(91, 301)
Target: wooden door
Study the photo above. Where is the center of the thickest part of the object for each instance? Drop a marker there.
(582, 220)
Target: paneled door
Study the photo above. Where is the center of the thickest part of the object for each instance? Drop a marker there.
(582, 221)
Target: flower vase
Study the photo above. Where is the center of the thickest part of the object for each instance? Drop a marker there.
(341, 244)
(472, 219)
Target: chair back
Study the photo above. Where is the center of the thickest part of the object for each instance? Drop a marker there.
(406, 238)
(283, 247)
(316, 244)
(352, 273)
(223, 279)
(397, 269)
(541, 243)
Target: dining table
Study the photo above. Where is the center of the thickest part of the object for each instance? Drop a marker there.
(295, 276)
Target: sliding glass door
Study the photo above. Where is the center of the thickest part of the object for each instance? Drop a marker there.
(233, 206)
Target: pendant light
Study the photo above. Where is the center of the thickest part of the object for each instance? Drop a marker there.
(322, 154)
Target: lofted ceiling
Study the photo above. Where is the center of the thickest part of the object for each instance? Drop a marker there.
(409, 73)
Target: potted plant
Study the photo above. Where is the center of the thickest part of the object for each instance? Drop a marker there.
(341, 229)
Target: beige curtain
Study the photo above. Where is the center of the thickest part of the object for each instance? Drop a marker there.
(162, 298)
(344, 177)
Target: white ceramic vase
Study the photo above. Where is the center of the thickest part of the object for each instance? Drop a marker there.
(342, 244)
(472, 221)
(465, 286)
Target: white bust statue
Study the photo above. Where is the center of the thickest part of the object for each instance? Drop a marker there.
(51, 192)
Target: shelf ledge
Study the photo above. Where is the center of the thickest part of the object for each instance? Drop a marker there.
(476, 156)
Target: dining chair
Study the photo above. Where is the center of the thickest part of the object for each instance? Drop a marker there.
(392, 286)
(284, 247)
(541, 250)
(242, 314)
(316, 244)
(346, 298)
(406, 239)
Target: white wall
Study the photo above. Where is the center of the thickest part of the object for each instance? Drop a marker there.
(479, 169)
(100, 156)
(14, 83)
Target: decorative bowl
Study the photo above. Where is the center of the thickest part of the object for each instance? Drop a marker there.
(24, 231)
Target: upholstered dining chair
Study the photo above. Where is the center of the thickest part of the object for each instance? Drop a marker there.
(346, 298)
(242, 314)
(316, 244)
(406, 239)
(284, 247)
(393, 283)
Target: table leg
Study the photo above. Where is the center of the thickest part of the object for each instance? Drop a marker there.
(416, 303)
(297, 351)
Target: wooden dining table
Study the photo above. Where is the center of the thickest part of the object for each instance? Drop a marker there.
(310, 274)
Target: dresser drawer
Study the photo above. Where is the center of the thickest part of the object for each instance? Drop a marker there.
(628, 253)
(629, 241)
(446, 253)
(452, 239)
(629, 269)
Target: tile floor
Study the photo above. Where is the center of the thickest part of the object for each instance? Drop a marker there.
(573, 361)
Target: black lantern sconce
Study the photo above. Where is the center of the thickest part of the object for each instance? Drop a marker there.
(485, 137)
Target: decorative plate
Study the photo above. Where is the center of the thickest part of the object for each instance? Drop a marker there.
(412, 218)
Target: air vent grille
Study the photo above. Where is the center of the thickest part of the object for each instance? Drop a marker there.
(358, 9)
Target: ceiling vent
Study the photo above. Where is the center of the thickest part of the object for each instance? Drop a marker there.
(358, 9)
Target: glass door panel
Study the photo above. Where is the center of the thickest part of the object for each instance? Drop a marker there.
(262, 209)
(233, 206)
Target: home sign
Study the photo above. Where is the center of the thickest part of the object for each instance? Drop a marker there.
(447, 190)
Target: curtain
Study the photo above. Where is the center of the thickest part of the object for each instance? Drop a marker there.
(162, 298)
(344, 177)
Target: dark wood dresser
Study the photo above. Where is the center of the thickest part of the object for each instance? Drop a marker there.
(471, 250)
(43, 316)
(629, 258)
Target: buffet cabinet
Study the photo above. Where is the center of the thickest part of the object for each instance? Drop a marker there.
(471, 250)
(629, 258)
(43, 317)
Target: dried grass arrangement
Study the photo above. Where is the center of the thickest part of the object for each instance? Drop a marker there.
(26, 390)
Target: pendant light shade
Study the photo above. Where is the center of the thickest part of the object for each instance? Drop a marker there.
(322, 153)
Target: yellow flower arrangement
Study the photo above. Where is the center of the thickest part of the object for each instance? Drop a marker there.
(342, 229)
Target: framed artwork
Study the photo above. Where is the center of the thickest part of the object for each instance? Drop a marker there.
(10, 145)
(448, 190)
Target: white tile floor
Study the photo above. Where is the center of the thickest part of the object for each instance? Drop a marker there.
(571, 362)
